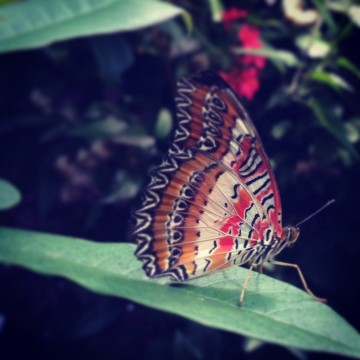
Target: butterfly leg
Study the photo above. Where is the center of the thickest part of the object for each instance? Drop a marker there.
(246, 281)
(302, 278)
(261, 268)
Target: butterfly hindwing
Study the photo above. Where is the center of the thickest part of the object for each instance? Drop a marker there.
(202, 219)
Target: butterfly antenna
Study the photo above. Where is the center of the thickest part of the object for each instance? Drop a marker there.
(316, 212)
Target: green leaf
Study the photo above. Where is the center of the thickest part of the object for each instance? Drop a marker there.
(348, 65)
(346, 7)
(313, 47)
(322, 8)
(30, 24)
(354, 14)
(217, 9)
(124, 187)
(352, 128)
(187, 18)
(164, 124)
(141, 141)
(273, 311)
(101, 129)
(335, 129)
(341, 6)
(280, 129)
(3, 2)
(9, 195)
(330, 79)
(285, 57)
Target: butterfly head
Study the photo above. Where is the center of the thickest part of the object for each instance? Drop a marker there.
(290, 235)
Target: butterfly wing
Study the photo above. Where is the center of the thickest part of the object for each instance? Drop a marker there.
(214, 197)
(212, 119)
(197, 217)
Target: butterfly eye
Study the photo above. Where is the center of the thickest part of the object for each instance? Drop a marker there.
(292, 233)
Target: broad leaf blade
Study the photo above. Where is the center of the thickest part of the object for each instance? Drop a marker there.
(273, 311)
(29, 24)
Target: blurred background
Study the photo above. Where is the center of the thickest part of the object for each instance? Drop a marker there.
(86, 112)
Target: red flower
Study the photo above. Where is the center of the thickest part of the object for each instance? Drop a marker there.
(233, 14)
(243, 77)
(249, 83)
(249, 36)
(244, 82)
(250, 39)
(257, 61)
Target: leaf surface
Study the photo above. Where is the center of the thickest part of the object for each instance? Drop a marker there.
(30, 24)
(273, 311)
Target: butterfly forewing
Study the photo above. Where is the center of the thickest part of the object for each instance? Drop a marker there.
(212, 119)
(214, 199)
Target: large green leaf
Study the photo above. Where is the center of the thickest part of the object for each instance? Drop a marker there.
(273, 311)
(29, 24)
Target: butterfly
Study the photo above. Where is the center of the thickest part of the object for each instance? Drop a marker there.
(213, 202)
